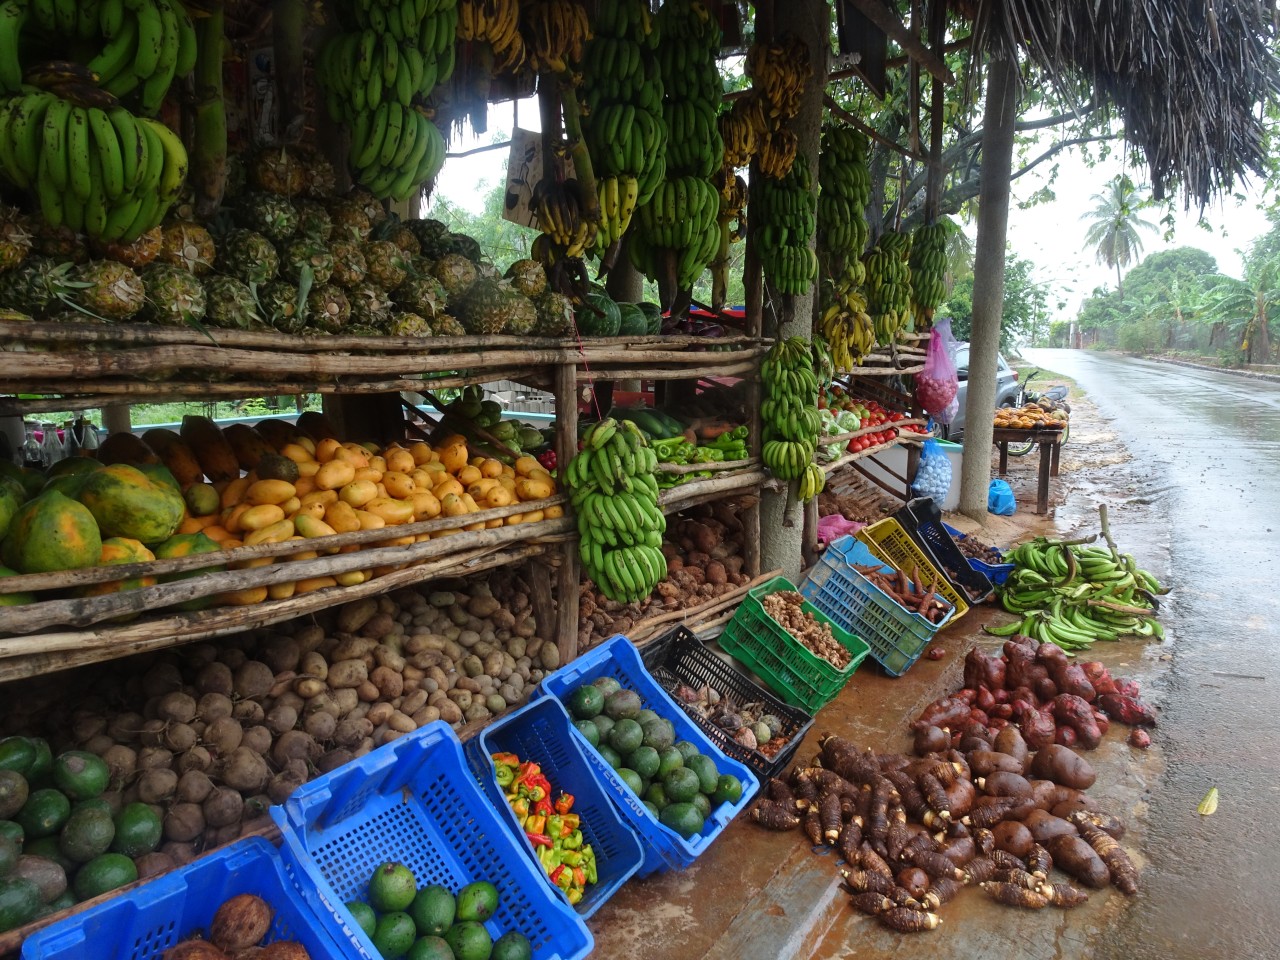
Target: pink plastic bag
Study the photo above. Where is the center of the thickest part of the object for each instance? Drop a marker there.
(936, 385)
(833, 527)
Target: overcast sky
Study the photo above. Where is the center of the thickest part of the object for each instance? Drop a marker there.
(1051, 235)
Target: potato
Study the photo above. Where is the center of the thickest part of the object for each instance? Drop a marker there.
(353, 648)
(290, 699)
(320, 725)
(154, 758)
(308, 687)
(281, 718)
(281, 654)
(495, 703)
(426, 715)
(347, 673)
(257, 739)
(450, 712)
(389, 683)
(253, 679)
(314, 665)
(194, 786)
(352, 616)
(245, 770)
(1013, 837)
(156, 786)
(1009, 741)
(1064, 766)
(986, 762)
(224, 735)
(351, 731)
(177, 707)
(309, 637)
(248, 711)
(294, 744)
(377, 626)
(379, 713)
(121, 761)
(345, 700)
(413, 702)
(222, 807)
(1077, 859)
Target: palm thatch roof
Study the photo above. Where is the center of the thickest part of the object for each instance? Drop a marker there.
(1191, 78)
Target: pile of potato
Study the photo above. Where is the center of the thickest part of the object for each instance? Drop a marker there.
(704, 560)
(213, 733)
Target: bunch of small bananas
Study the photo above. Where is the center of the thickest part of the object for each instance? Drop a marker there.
(732, 224)
(929, 268)
(842, 204)
(555, 32)
(623, 125)
(142, 46)
(614, 493)
(497, 23)
(743, 127)
(787, 212)
(790, 414)
(845, 323)
(780, 71)
(105, 173)
(888, 285)
(562, 217)
(681, 217)
(375, 79)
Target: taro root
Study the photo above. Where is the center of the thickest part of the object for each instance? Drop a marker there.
(1015, 896)
(1045, 827)
(1064, 895)
(774, 816)
(1063, 766)
(1074, 857)
(1123, 873)
(1002, 783)
(1014, 837)
(931, 739)
(240, 922)
(983, 763)
(829, 816)
(943, 890)
(907, 920)
(1105, 822)
(1038, 861)
(870, 903)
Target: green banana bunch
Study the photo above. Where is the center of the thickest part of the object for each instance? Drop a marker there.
(105, 173)
(929, 267)
(888, 285)
(614, 493)
(376, 79)
(790, 413)
(1074, 593)
(787, 213)
(846, 190)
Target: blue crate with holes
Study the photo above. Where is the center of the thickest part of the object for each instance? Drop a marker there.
(415, 801)
(665, 849)
(542, 733)
(997, 573)
(148, 920)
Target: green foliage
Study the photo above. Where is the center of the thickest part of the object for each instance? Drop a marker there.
(501, 240)
(1025, 311)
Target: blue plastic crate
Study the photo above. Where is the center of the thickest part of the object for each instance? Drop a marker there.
(665, 849)
(895, 635)
(145, 922)
(415, 801)
(542, 732)
(997, 573)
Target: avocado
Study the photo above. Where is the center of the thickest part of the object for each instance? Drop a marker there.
(588, 730)
(104, 873)
(705, 768)
(604, 723)
(644, 716)
(477, 901)
(658, 733)
(626, 736)
(138, 830)
(622, 705)
(512, 945)
(728, 790)
(669, 759)
(19, 902)
(686, 749)
(80, 775)
(606, 685)
(469, 940)
(433, 910)
(683, 818)
(609, 755)
(631, 779)
(44, 813)
(46, 874)
(17, 753)
(87, 833)
(586, 702)
(644, 761)
(681, 784)
(657, 796)
(13, 793)
(702, 803)
(430, 948)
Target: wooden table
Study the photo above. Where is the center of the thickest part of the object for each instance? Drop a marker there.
(1050, 443)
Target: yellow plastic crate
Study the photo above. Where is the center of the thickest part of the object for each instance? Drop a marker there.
(890, 543)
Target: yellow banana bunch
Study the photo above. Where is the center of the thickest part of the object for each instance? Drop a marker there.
(780, 71)
(844, 322)
(778, 153)
(554, 33)
(742, 128)
(497, 23)
(888, 285)
(560, 210)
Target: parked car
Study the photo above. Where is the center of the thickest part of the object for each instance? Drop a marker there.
(1006, 390)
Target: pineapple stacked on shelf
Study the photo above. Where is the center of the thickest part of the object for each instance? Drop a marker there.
(842, 234)
(683, 215)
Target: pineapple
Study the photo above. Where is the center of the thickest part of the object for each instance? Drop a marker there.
(447, 326)
(139, 253)
(349, 265)
(248, 256)
(388, 266)
(408, 325)
(272, 216)
(555, 315)
(522, 316)
(36, 284)
(278, 170)
(15, 241)
(109, 289)
(433, 237)
(61, 243)
(404, 238)
(489, 305)
(467, 246)
(424, 295)
(486, 270)
(231, 303)
(174, 296)
(528, 277)
(313, 220)
(370, 204)
(320, 177)
(370, 307)
(302, 253)
(350, 222)
(328, 308)
(456, 273)
(237, 178)
(189, 246)
(280, 308)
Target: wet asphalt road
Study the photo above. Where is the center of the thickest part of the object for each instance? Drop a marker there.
(1203, 511)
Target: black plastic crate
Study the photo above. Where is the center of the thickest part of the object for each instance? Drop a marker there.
(922, 520)
(681, 657)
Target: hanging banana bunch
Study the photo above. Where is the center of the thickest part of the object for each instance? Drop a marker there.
(743, 128)
(683, 216)
(732, 224)
(779, 72)
(562, 217)
(555, 33)
(844, 322)
(842, 235)
(929, 269)
(375, 79)
(496, 23)
(622, 124)
(790, 413)
(788, 222)
(888, 285)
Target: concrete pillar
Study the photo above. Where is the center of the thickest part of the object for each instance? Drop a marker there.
(781, 514)
(115, 418)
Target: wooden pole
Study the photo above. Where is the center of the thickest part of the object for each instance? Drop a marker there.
(568, 585)
(935, 174)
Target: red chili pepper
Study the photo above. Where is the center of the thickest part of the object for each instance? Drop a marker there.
(539, 839)
(564, 803)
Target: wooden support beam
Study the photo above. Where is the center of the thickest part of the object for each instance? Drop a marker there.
(896, 30)
(568, 583)
(937, 20)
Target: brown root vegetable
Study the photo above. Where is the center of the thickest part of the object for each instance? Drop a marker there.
(941, 891)
(1012, 895)
(1019, 878)
(193, 950)
(1009, 742)
(223, 735)
(1123, 873)
(1005, 784)
(931, 739)
(241, 922)
(774, 816)
(281, 718)
(1106, 822)
(1064, 895)
(197, 758)
(256, 739)
(157, 785)
(1004, 860)
(1079, 802)
(907, 920)
(179, 737)
(983, 763)
(245, 770)
(829, 816)
(1038, 861)
(959, 850)
(1074, 857)
(294, 744)
(283, 950)
(961, 796)
(867, 881)
(913, 880)
(153, 865)
(813, 825)
(978, 871)
(1045, 827)
(177, 707)
(870, 903)
(223, 807)
(193, 787)
(121, 761)
(184, 822)
(1063, 766)
(849, 840)
(935, 864)
(990, 813)
(1014, 837)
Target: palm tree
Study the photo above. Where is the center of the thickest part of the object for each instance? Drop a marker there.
(1114, 226)
(1244, 309)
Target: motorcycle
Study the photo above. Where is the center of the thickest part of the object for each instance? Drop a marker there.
(1057, 395)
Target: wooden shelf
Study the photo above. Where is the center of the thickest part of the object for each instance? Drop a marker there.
(728, 484)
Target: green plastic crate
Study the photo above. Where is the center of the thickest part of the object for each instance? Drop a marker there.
(791, 670)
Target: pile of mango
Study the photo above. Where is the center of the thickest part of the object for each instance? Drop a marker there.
(203, 489)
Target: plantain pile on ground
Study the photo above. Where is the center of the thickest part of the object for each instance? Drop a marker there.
(376, 76)
(842, 235)
(622, 123)
(913, 831)
(680, 225)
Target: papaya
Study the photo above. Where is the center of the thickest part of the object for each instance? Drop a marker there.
(115, 551)
(10, 503)
(188, 545)
(125, 448)
(128, 503)
(247, 444)
(14, 599)
(72, 466)
(317, 426)
(176, 454)
(159, 473)
(217, 459)
(52, 532)
(68, 485)
(277, 433)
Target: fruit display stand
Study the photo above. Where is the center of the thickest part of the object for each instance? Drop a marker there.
(1050, 444)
